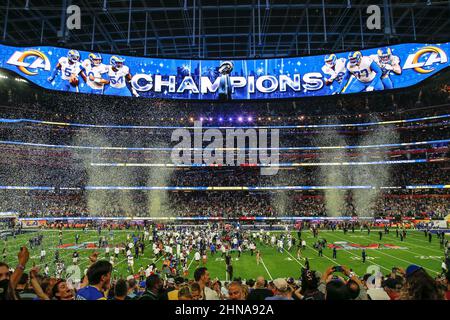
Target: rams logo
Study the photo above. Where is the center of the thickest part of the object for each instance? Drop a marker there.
(431, 55)
(29, 61)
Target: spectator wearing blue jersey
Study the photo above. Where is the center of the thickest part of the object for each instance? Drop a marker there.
(99, 278)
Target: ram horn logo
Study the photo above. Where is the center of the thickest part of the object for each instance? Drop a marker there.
(40, 61)
(436, 55)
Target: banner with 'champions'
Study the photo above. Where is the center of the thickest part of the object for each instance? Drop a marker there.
(376, 69)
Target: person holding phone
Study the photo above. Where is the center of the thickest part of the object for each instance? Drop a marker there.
(336, 287)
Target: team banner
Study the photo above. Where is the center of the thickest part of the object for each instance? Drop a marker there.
(376, 69)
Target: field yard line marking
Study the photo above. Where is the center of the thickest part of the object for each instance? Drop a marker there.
(149, 259)
(379, 265)
(419, 246)
(189, 266)
(52, 241)
(294, 258)
(118, 263)
(416, 239)
(122, 261)
(423, 247)
(267, 270)
(18, 239)
(157, 260)
(419, 235)
(51, 238)
(436, 259)
(64, 256)
(334, 262)
(400, 259)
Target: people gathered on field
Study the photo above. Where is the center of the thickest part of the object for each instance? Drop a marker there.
(22, 281)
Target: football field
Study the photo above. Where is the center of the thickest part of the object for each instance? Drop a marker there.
(381, 255)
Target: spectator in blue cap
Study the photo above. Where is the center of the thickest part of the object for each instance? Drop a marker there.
(419, 285)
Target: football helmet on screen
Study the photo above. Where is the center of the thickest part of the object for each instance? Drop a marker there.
(354, 58)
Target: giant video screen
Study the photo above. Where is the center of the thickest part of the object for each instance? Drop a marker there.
(376, 69)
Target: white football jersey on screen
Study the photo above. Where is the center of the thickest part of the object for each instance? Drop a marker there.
(336, 73)
(363, 72)
(393, 61)
(95, 71)
(117, 79)
(67, 69)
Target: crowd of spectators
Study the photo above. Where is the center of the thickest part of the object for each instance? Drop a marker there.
(336, 283)
(63, 168)
(226, 204)
(79, 175)
(22, 101)
(427, 130)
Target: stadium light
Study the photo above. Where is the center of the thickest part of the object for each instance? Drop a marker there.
(240, 119)
(220, 119)
(250, 119)
(201, 118)
(230, 119)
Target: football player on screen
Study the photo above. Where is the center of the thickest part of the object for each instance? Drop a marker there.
(335, 69)
(70, 67)
(388, 63)
(94, 71)
(119, 77)
(365, 71)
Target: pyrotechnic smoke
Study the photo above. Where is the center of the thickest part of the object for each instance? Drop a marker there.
(158, 200)
(332, 175)
(375, 175)
(131, 202)
(106, 201)
(281, 199)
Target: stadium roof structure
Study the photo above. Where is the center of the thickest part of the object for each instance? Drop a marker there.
(226, 29)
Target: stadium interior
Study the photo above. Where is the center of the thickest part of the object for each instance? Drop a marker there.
(89, 181)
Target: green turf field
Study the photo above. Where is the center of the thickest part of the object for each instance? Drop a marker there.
(415, 250)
